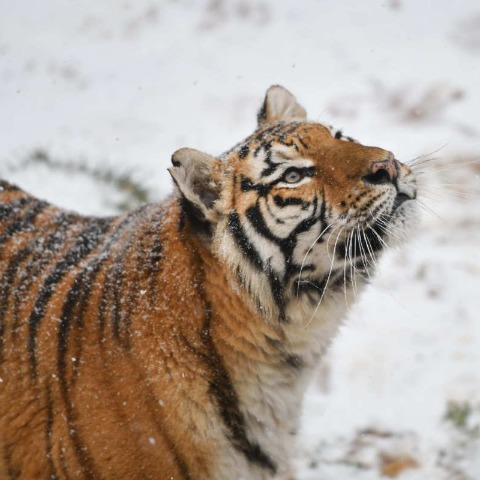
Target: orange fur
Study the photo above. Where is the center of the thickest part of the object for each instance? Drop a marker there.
(154, 345)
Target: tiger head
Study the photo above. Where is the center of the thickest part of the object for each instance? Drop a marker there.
(298, 212)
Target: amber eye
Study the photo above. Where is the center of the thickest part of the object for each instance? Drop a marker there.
(292, 175)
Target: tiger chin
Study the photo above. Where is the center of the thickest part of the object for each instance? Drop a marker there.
(176, 341)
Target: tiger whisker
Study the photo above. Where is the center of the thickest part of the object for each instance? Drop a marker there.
(384, 226)
(373, 259)
(363, 255)
(350, 257)
(328, 277)
(345, 259)
(426, 162)
(352, 267)
(379, 238)
(355, 267)
(439, 191)
(445, 168)
(425, 156)
(369, 248)
(388, 229)
(309, 282)
(309, 250)
(429, 210)
(440, 186)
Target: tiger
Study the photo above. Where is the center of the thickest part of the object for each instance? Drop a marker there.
(176, 341)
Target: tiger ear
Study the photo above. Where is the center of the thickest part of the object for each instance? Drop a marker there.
(192, 173)
(279, 104)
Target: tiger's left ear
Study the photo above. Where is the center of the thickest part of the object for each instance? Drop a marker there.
(192, 173)
(280, 104)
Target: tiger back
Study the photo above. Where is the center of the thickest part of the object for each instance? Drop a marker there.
(176, 341)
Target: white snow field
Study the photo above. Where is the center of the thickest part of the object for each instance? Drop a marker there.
(118, 85)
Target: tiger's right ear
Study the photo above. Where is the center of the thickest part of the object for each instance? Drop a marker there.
(280, 104)
(192, 173)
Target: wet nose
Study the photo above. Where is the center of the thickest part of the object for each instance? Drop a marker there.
(383, 171)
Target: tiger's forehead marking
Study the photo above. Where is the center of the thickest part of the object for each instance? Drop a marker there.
(268, 150)
(285, 139)
(292, 135)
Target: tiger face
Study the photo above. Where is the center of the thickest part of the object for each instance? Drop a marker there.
(298, 211)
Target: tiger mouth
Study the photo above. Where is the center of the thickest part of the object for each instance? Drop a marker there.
(400, 199)
(371, 240)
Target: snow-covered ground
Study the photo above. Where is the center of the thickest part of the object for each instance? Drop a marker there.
(120, 84)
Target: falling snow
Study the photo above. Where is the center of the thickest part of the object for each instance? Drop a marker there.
(125, 84)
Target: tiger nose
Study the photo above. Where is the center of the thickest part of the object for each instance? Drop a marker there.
(383, 171)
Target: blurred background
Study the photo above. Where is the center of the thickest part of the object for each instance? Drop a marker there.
(96, 96)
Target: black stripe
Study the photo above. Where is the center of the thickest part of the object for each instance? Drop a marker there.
(309, 222)
(87, 284)
(118, 312)
(42, 251)
(15, 207)
(83, 245)
(120, 320)
(76, 297)
(262, 113)
(322, 217)
(12, 473)
(12, 212)
(7, 187)
(243, 152)
(247, 185)
(154, 258)
(272, 167)
(85, 460)
(273, 215)
(285, 202)
(304, 145)
(277, 286)
(63, 463)
(25, 222)
(7, 283)
(294, 361)
(244, 244)
(111, 283)
(74, 307)
(258, 222)
(286, 245)
(222, 389)
(146, 267)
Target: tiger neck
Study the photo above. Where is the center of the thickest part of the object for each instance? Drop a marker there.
(259, 367)
(269, 363)
(258, 349)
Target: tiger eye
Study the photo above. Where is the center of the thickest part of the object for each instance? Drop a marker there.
(293, 176)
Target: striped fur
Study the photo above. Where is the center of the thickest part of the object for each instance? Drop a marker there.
(176, 341)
